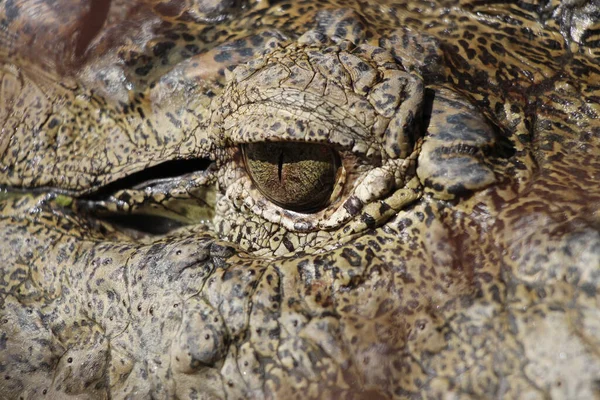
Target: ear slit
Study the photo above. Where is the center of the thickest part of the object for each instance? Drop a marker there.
(168, 170)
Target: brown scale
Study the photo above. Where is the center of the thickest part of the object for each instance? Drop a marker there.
(431, 236)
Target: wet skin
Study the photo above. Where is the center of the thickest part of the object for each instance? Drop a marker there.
(299, 200)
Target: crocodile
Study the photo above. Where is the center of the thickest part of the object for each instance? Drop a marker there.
(328, 199)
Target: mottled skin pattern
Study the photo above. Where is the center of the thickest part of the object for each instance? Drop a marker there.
(461, 258)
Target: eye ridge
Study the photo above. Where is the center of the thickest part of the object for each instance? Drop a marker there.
(300, 177)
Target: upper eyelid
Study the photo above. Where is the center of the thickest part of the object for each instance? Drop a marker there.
(356, 125)
(318, 130)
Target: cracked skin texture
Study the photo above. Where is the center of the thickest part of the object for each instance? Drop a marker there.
(460, 258)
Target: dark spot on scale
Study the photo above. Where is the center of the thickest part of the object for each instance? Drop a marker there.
(468, 35)
(457, 189)
(438, 187)
(353, 205)
(596, 385)
(496, 294)
(362, 66)
(498, 49)
(340, 31)
(383, 207)
(11, 11)
(351, 256)
(70, 360)
(420, 216)
(256, 40)
(227, 276)
(274, 333)
(245, 52)
(222, 57)
(288, 245)
(589, 289)
(53, 122)
(187, 37)
(369, 221)
(358, 29)
(160, 49)
(143, 71)
(192, 48)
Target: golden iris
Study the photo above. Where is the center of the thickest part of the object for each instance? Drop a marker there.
(296, 176)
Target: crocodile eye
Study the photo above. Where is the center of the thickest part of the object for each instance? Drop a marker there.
(299, 177)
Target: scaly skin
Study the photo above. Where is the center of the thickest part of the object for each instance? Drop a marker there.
(461, 258)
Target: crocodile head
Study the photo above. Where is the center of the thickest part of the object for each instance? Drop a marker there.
(299, 199)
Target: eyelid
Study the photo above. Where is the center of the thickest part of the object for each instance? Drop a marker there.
(370, 125)
(282, 119)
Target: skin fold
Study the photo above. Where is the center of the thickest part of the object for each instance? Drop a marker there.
(299, 199)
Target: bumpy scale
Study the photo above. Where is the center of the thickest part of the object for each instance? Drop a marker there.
(455, 250)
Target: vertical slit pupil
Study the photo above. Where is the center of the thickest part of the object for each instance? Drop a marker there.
(280, 166)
